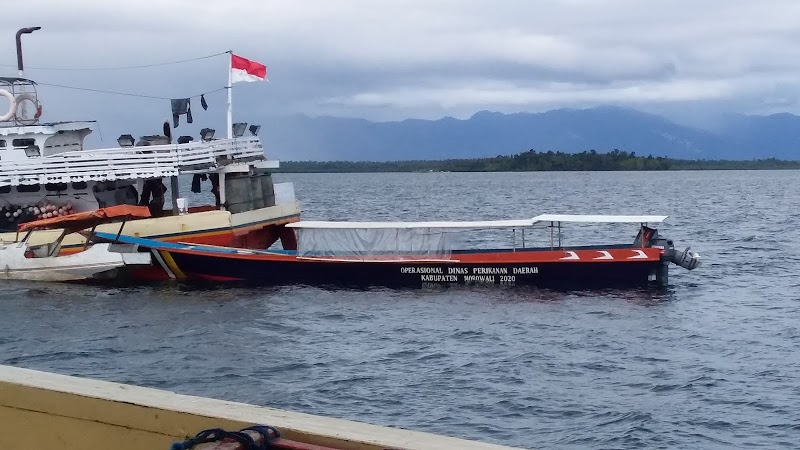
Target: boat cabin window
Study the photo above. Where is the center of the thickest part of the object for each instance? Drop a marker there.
(22, 143)
(2, 143)
(31, 149)
(28, 188)
(5, 189)
(79, 185)
(56, 187)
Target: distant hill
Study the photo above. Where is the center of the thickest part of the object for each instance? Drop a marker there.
(776, 136)
(487, 134)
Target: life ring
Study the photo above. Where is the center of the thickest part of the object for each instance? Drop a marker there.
(12, 105)
(25, 121)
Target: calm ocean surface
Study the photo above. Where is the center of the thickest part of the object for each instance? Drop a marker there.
(712, 362)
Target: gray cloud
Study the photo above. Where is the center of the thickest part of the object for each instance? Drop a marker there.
(394, 59)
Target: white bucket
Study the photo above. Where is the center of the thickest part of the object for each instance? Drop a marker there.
(183, 205)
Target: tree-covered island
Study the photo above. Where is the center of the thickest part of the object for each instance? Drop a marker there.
(531, 161)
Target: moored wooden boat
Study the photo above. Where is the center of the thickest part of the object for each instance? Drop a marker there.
(419, 254)
(46, 171)
(25, 261)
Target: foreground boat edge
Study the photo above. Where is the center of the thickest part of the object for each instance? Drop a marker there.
(47, 410)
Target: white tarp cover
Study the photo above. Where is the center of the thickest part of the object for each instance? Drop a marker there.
(374, 243)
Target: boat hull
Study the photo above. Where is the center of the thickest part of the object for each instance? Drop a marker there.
(561, 268)
(95, 263)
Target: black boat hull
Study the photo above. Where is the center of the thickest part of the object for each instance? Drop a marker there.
(416, 274)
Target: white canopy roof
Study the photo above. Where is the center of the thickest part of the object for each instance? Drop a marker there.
(592, 218)
(317, 224)
(481, 224)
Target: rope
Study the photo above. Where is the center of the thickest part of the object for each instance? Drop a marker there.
(142, 66)
(268, 434)
(128, 94)
(156, 97)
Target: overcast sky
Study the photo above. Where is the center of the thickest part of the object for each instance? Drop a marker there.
(395, 59)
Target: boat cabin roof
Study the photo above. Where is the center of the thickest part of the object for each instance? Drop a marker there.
(48, 129)
(15, 80)
(481, 224)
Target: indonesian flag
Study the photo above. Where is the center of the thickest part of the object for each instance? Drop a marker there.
(246, 70)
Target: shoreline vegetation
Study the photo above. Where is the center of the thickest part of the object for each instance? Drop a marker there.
(534, 161)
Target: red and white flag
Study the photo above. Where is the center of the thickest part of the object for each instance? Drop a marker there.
(246, 70)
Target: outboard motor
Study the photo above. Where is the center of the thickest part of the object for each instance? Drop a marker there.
(687, 259)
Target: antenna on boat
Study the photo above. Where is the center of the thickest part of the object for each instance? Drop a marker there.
(20, 32)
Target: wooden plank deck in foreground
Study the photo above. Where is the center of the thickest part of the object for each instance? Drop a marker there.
(41, 410)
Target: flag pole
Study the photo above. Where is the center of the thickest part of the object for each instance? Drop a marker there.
(230, 95)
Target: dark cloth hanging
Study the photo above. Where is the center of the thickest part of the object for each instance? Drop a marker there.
(156, 188)
(196, 179)
(203, 102)
(181, 106)
(214, 177)
(167, 132)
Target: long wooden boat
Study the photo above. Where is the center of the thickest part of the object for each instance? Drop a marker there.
(420, 254)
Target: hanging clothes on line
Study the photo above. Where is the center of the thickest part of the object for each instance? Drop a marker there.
(196, 179)
(203, 102)
(181, 106)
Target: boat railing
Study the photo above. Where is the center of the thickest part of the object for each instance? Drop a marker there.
(133, 162)
(198, 157)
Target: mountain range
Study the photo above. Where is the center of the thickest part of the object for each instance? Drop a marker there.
(485, 134)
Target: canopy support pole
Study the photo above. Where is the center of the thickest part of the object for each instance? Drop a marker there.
(173, 185)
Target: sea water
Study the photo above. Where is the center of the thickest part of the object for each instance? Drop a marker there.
(711, 362)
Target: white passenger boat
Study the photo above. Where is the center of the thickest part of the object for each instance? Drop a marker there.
(46, 170)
